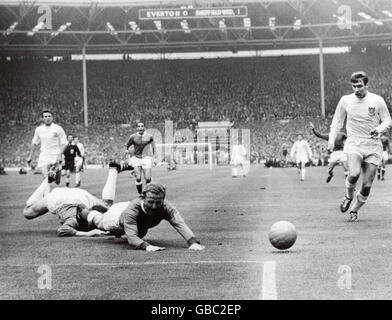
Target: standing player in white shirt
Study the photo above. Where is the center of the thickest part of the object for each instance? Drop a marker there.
(53, 141)
(367, 117)
(302, 154)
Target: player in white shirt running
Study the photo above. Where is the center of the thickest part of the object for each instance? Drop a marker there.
(302, 154)
(367, 117)
(53, 141)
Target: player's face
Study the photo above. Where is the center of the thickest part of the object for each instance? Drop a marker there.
(359, 88)
(140, 128)
(70, 139)
(153, 202)
(47, 118)
(300, 137)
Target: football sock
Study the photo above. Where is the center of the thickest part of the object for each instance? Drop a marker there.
(109, 190)
(39, 193)
(77, 177)
(350, 187)
(359, 202)
(139, 186)
(303, 173)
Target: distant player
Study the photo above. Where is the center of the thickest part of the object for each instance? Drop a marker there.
(79, 161)
(385, 156)
(53, 141)
(67, 204)
(238, 158)
(70, 153)
(367, 117)
(134, 218)
(337, 156)
(143, 156)
(301, 153)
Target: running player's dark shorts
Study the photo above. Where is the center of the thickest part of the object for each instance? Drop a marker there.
(69, 165)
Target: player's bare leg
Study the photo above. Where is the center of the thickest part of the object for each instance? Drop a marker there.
(303, 171)
(147, 175)
(368, 174)
(109, 189)
(331, 166)
(77, 176)
(354, 162)
(35, 204)
(67, 178)
(383, 170)
(138, 181)
(345, 167)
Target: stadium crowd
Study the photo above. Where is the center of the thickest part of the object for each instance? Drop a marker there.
(274, 97)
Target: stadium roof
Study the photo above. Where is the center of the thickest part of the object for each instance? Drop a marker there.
(126, 26)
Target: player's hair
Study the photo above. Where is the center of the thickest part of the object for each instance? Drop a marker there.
(99, 208)
(46, 111)
(154, 188)
(359, 75)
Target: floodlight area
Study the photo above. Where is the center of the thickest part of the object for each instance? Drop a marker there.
(214, 55)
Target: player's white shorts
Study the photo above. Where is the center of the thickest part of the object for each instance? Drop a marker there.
(370, 152)
(301, 158)
(385, 156)
(338, 156)
(145, 162)
(46, 160)
(111, 218)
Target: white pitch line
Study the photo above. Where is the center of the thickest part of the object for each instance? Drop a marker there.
(120, 264)
(268, 289)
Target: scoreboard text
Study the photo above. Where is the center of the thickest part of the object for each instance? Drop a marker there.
(192, 13)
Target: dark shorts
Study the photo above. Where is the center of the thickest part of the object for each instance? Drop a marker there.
(69, 165)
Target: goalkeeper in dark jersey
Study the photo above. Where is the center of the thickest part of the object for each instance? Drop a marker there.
(338, 155)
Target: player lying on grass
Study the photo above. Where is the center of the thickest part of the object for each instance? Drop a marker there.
(66, 204)
(134, 218)
(337, 155)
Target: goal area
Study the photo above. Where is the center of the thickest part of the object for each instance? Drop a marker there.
(187, 153)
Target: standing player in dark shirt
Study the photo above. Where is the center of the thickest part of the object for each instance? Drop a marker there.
(70, 152)
(143, 155)
(337, 156)
(385, 156)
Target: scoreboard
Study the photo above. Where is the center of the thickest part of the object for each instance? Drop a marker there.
(193, 13)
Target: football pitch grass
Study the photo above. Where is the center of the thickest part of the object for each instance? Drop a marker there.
(331, 259)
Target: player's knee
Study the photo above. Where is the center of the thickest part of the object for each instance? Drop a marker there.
(365, 190)
(148, 180)
(138, 181)
(353, 177)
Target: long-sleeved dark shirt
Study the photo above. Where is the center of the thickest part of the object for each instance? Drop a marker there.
(136, 223)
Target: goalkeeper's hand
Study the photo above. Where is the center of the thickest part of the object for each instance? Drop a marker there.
(196, 247)
(151, 248)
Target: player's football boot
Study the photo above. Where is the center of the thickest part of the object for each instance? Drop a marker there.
(77, 185)
(330, 175)
(120, 167)
(345, 204)
(353, 216)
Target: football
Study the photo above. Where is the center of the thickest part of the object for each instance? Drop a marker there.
(282, 235)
